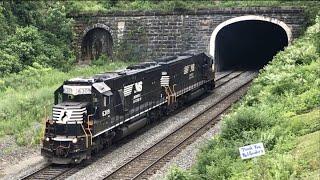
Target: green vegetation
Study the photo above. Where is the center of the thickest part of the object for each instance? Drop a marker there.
(180, 5)
(34, 32)
(281, 109)
(39, 32)
(304, 155)
(36, 57)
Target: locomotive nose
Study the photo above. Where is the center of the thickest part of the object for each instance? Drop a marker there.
(61, 152)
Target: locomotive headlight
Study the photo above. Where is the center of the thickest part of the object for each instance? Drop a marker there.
(75, 140)
(47, 139)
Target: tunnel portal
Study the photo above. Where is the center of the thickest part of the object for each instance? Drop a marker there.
(95, 43)
(248, 45)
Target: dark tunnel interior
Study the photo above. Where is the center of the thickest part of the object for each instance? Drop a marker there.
(96, 42)
(248, 45)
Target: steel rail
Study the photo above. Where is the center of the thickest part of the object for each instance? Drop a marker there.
(167, 136)
(190, 136)
(46, 169)
(47, 172)
(224, 75)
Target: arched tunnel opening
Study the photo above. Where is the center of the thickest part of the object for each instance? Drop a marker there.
(248, 45)
(95, 43)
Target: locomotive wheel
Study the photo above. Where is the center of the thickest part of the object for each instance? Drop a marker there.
(154, 115)
(164, 111)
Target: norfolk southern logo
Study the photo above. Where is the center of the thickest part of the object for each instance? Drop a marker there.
(137, 87)
(189, 69)
(65, 115)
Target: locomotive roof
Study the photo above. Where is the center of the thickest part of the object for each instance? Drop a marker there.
(130, 70)
(133, 69)
(172, 59)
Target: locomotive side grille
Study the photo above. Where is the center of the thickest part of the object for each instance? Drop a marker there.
(128, 89)
(186, 70)
(164, 81)
(62, 114)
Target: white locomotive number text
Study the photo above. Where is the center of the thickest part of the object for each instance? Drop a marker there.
(136, 98)
(106, 112)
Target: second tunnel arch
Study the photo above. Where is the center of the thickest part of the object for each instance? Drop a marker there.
(97, 40)
(222, 48)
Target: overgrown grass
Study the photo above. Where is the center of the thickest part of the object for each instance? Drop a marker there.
(180, 5)
(305, 155)
(26, 98)
(281, 110)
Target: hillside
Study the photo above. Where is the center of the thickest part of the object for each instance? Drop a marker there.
(281, 110)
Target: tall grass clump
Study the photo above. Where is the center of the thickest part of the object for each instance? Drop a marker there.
(281, 110)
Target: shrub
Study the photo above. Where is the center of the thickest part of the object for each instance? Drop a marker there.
(9, 63)
(177, 174)
(102, 60)
(34, 32)
(244, 121)
(27, 44)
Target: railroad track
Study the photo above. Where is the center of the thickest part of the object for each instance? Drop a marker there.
(152, 159)
(52, 171)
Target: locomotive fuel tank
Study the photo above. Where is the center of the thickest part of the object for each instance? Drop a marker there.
(129, 129)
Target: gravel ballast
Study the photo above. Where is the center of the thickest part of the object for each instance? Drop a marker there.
(117, 157)
(16, 159)
(187, 157)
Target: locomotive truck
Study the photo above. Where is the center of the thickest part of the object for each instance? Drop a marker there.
(91, 113)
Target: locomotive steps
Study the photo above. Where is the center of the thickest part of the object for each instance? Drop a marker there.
(113, 159)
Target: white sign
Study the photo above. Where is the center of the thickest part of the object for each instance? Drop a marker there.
(251, 151)
(76, 90)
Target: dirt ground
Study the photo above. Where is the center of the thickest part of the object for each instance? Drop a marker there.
(14, 158)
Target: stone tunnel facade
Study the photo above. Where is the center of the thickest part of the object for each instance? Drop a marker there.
(167, 33)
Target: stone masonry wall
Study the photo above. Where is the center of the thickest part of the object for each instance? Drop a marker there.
(167, 33)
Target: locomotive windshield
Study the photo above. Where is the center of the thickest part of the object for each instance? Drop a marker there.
(78, 93)
(73, 93)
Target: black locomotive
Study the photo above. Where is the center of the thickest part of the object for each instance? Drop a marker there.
(89, 113)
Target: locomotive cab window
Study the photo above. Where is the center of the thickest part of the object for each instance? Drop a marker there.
(59, 98)
(106, 100)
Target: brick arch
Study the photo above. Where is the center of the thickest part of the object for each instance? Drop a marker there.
(97, 25)
(215, 32)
